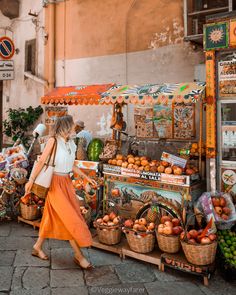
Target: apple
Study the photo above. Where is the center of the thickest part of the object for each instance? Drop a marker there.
(176, 230)
(142, 221)
(136, 227)
(112, 215)
(168, 230)
(212, 237)
(116, 220)
(183, 234)
(99, 220)
(151, 226)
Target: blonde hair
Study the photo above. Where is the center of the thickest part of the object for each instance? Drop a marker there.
(63, 125)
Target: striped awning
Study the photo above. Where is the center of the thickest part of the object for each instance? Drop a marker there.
(154, 93)
(76, 95)
(135, 94)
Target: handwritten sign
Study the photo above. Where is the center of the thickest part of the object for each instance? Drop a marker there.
(173, 160)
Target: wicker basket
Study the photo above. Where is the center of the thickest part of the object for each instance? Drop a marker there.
(29, 212)
(140, 242)
(108, 235)
(200, 254)
(168, 244)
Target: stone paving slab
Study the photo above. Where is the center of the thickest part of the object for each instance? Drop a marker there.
(66, 278)
(126, 289)
(135, 272)
(7, 258)
(218, 286)
(54, 244)
(5, 229)
(17, 278)
(99, 258)
(36, 277)
(33, 291)
(103, 275)
(23, 230)
(70, 291)
(16, 243)
(5, 277)
(62, 258)
(172, 288)
(24, 258)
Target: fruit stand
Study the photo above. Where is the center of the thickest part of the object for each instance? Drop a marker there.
(149, 202)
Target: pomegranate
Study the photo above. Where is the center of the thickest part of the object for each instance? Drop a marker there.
(224, 216)
(165, 218)
(167, 230)
(175, 221)
(168, 170)
(106, 218)
(215, 202)
(128, 223)
(168, 223)
(193, 233)
(116, 220)
(226, 210)
(205, 240)
(222, 202)
(160, 169)
(136, 227)
(142, 221)
(178, 171)
(160, 229)
(192, 241)
(142, 227)
(151, 226)
(112, 215)
(218, 210)
(212, 237)
(165, 164)
(176, 230)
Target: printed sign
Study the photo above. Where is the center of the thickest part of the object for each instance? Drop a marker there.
(6, 70)
(7, 48)
(227, 78)
(52, 113)
(173, 160)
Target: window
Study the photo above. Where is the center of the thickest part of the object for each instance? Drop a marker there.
(30, 56)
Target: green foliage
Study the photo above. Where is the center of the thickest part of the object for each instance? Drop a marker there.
(19, 122)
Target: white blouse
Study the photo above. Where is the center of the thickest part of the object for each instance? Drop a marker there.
(65, 155)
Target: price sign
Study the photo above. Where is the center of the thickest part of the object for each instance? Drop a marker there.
(6, 70)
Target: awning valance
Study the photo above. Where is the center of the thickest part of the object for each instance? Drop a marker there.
(154, 93)
(76, 95)
(135, 94)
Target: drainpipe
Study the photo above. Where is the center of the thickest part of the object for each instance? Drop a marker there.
(51, 46)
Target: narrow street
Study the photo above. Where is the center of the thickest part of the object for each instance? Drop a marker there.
(20, 273)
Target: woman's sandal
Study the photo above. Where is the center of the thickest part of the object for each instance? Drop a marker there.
(89, 267)
(36, 253)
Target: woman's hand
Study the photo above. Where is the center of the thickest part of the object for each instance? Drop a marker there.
(28, 187)
(92, 182)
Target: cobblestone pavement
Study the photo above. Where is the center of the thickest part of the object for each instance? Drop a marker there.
(20, 273)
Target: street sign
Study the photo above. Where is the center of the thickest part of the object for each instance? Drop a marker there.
(6, 70)
(7, 48)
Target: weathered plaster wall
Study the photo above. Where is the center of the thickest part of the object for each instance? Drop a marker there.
(22, 92)
(121, 41)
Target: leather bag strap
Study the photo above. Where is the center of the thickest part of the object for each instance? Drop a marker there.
(53, 152)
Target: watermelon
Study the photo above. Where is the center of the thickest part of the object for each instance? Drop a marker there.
(95, 149)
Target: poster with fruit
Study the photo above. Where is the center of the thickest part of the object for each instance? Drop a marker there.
(51, 113)
(228, 180)
(162, 120)
(184, 121)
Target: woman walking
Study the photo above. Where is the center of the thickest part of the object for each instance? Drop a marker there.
(62, 218)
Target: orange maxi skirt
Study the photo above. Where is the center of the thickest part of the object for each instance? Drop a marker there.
(62, 218)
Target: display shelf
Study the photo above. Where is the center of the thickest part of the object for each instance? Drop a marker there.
(208, 11)
(34, 223)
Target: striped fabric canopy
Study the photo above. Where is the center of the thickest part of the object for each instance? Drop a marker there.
(135, 94)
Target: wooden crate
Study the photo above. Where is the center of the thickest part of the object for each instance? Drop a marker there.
(179, 262)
